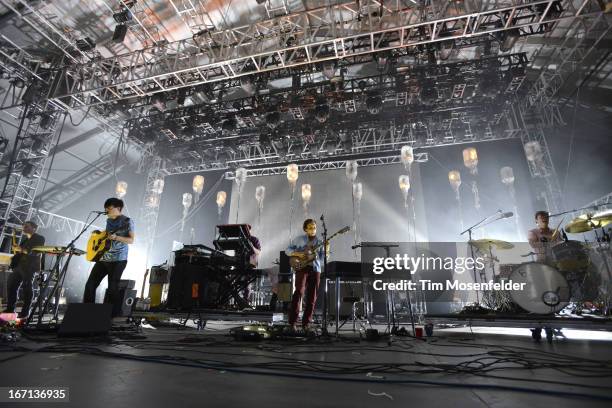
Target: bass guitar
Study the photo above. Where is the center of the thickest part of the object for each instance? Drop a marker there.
(301, 259)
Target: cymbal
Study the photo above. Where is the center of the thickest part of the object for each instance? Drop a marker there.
(485, 243)
(603, 218)
(588, 222)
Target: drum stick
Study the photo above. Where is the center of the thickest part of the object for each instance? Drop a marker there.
(556, 231)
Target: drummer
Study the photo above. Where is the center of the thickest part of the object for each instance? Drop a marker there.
(543, 238)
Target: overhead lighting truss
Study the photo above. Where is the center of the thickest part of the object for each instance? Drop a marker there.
(313, 36)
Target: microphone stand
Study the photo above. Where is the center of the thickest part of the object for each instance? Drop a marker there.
(60, 270)
(324, 277)
(390, 302)
(469, 231)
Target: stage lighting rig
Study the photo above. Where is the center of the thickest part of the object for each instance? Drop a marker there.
(273, 119)
(374, 104)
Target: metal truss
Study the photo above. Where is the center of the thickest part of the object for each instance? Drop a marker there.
(26, 170)
(580, 43)
(78, 184)
(195, 15)
(42, 22)
(541, 169)
(326, 33)
(382, 140)
(603, 203)
(420, 157)
(149, 210)
(59, 223)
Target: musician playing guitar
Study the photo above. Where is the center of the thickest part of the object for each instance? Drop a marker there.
(120, 230)
(25, 264)
(308, 277)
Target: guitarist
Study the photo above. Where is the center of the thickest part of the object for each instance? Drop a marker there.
(24, 264)
(112, 263)
(307, 279)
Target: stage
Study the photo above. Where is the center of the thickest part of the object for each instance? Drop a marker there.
(186, 367)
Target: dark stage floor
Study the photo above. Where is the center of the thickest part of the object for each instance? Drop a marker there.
(170, 367)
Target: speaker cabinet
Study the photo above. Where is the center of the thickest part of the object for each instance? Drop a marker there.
(86, 319)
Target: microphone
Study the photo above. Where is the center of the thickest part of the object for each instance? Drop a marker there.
(100, 212)
(355, 246)
(506, 215)
(322, 218)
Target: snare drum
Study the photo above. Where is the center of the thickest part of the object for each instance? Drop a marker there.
(546, 290)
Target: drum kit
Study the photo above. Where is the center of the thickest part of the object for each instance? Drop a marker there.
(564, 276)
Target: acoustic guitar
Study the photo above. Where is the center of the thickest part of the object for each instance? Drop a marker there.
(301, 259)
(99, 243)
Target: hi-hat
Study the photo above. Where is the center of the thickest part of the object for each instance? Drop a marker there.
(486, 243)
(588, 222)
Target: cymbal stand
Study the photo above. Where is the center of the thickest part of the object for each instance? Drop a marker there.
(481, 223)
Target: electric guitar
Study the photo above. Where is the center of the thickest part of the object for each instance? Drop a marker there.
(301, 259)
(99, 243)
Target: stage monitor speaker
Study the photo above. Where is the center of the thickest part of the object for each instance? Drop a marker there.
(127, 297)
(86, 319)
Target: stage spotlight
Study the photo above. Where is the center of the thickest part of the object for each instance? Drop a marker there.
(446, 49)
(85, 44)
(38, 146)
(429, 93)
(374, 104)
(329, 69)
(273, 119)
(508, 39)
(246, 83)
(229, 124)
(159, 102)
(3, 143)
(322, 113)
(45, 121)
(18, 83)
(119, 33)
(28, 169)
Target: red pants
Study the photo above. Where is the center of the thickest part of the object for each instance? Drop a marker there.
(305, 280)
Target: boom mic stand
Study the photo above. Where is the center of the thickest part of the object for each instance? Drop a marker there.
(481, 223)
(324, 277)
(59, 273)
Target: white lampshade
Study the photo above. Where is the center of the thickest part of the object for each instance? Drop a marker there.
(454, 178)
(404, 183)
(407, 156)
(260, 194)
(121, 189)
(507, 175)
(357, 191)
(241, 176)
(198, 184)
(221, 197)
(351, 170)
(187, 200)
(306, 192)
(470, 158)
(158, 186)
(292, 173)
(533, 151)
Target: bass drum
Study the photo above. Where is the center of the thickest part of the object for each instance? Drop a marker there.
(545, 291)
